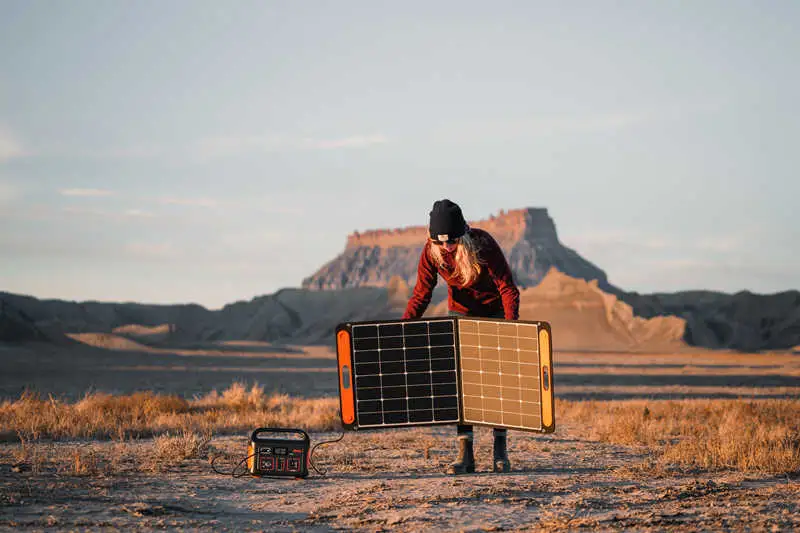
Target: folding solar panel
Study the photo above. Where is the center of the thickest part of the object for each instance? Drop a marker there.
(449, 370)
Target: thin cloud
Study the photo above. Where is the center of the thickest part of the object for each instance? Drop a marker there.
(545, 124)
(629, 240)
(726, 275)
(86, 192)
(189, 202)
(147, 250)
(120, 152)
(247, 203)
(358, 141)
(9, 193)
(619, 239)
(248, 241)
(138, 213)
(227, 146)
(102, 213)
(10, 146)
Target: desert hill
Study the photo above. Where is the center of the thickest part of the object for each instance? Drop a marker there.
(743, 321)
(585, 317)
(287, 316)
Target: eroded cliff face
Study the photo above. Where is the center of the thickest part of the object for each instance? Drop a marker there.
(527, 236)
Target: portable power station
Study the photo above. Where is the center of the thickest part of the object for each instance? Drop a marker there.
(281, 452)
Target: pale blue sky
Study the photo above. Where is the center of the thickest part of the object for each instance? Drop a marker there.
(206, 151)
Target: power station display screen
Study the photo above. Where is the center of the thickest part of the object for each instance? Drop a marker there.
(444, 371)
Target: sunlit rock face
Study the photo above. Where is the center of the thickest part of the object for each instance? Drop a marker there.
(527, 236)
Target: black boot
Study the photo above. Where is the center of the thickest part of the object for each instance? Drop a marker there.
(500, 461)
(466, 456)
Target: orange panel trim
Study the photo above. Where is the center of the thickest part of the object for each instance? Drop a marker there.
(546, 371)
(345, 377)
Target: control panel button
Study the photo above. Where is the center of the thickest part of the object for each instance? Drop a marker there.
(268, 464)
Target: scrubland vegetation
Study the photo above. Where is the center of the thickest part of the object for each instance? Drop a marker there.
(146, 414)
(744, 435)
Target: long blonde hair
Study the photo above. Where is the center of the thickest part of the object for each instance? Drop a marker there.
(468, 262)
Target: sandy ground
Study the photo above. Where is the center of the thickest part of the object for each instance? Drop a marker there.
(393, 479)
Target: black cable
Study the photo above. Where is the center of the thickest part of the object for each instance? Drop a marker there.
(311, 453)
(232, 472)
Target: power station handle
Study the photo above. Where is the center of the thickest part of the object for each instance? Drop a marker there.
(258, 431)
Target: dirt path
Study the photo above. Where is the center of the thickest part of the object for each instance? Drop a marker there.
(381, 481)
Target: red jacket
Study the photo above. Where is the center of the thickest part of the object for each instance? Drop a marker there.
(494, 291)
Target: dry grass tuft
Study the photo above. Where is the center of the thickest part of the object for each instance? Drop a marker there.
(146, 414)
(744, 435)
(170, 450)
(185, 445)
(84, 463)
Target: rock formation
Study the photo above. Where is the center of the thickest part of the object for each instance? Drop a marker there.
(527, 236)
(742, 321)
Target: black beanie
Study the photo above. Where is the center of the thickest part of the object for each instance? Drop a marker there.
(446, 219)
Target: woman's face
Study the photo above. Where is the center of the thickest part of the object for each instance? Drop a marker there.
(449, 245)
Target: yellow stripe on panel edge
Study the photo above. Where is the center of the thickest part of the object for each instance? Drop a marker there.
(546, 370)
(346, 400)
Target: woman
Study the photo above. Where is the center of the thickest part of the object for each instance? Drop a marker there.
(479, 284)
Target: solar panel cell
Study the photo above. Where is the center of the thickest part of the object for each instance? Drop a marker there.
(392, 380)
(418, 365)
(394, 367)
(445, 415)
(445, 389)
(440, 326)
(369, 419)
(443, 364)
(390, 330)
(415, 328)
(531, 420)
(447, 377)
(368, 393)
(440, 352)
(390, 344)
(365, 343)
(416, 341)
(417, 354)
(420, 416)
